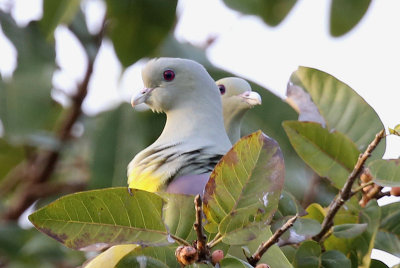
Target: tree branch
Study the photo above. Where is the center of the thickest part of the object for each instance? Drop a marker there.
(201, 246)
(346, 193)
(255, 258)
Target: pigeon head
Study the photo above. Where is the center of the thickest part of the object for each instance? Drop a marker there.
(237, 98)
(173, 83)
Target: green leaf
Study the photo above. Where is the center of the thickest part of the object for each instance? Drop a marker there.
(330, 154)
(349, 230)
(391, 218)
(288, 206)
(308, 255)
(334, 259)
(272, 11)
(377, 264)
(233, 262)
(385, 172)
(103, 217)
(306, 227)
(151, 257)
(57, 12)
(110, 134)
(30, 86)
(341, 107)
(345, 15)
(179, 215)
(137, 27)
(388, 242)
(242, 235)
(245, 185)
(364, 243)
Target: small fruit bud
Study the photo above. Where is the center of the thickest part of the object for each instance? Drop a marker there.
(366, 176)
(368, 188)
(217, 256)
(186, 255)
(395, 191)
(262, 265)
(363, 202)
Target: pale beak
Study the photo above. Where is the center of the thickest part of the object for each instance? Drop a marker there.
(251, 97)
(143, 95)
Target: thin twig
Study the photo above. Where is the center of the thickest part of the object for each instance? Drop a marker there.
(212, 243)
(362, 187)
(346, 193)
(201, 246)
(255, 258)
(180, 241)
(382, 194)
(215, 241)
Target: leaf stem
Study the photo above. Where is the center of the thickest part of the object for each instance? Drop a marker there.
(271, 241)
(179, 240)
(215, 241)
(362, 187)
(346, 193)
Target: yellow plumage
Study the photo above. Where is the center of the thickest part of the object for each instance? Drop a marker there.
(147, 181)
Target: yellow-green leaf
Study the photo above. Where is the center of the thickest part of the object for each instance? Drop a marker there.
(315, 211)
(246, 184)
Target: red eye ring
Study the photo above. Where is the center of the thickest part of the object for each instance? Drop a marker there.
(169, 75)
(222, 89)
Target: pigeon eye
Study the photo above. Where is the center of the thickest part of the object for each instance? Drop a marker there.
(169, 75)
(222, 89)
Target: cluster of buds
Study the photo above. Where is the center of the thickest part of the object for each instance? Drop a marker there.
(187, 255)
(369, 191)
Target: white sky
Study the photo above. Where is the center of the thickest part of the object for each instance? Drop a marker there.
(367, 58)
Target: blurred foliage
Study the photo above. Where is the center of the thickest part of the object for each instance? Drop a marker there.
(344, 14)
(271, 11)
(138, 29)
